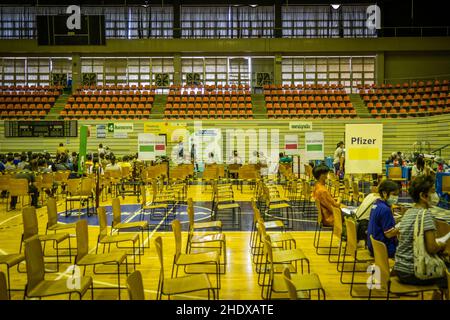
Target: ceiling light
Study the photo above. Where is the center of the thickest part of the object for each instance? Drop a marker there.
(253, 5)
(335, 6)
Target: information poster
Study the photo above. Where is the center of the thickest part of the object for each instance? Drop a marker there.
(364, 148)
(291, 144)
(150, 146)
(101, 131)
(314, 145)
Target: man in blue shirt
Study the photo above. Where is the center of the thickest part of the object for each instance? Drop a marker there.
(382, 222)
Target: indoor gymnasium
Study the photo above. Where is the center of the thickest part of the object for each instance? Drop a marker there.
(221, 150)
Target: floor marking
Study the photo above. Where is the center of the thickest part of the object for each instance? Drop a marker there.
(10, 218)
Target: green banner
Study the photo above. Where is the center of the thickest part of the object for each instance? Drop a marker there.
(314, 147)
(146, 148)
(84, 132)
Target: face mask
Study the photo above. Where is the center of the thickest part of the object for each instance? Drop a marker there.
(434, 199)
(392, 200)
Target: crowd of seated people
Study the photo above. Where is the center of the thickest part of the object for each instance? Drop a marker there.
(393, 224)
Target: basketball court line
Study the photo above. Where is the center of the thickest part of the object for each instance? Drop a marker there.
(10, 218)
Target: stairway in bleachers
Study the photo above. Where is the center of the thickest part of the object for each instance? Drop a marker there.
(359, 106)
(159, 105)
(259, 106)
(57, 107)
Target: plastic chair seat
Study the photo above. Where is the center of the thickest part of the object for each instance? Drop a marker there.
(128, 225)
(11, 259)
(228, 206)
(119, 238)
(209, 224)
(400, 288)
(57, 287)
(197, 258)
(102, 258)
(58, 237)
(302, 282)
(283, 256)
(61, 226)
(186, 284)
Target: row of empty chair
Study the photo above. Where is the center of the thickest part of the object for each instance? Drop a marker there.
(118, 102)
(112, 93)
(306, 97)
(311, 113)
(118, 87)
(213, 87)
(315, 101)
(26, 88)
(293, 86)
(27, 102)
(418, 99)
(227, 102)
(209, 114)
(104, 114)
(413, 84)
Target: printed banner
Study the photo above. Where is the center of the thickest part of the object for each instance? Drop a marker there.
(150, 146)
(314, 142)
(101, 131)
(171, 129)
(123, 127)
(300, 126)
(291, 144)
(364, 148)
(120, 135)
(146, 146)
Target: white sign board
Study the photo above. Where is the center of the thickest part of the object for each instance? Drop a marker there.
(300, 126)
(314, 142)
(123, 127)
(363, 148)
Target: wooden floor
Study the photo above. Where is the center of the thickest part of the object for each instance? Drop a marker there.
(240, 281)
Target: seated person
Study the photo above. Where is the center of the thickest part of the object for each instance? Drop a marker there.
(113, 165)
(363, 215)
(235, 159)
(420, 168)
(422, 191)
(321, 193)
(211, 159)
(26, 173)
(284, 158)
(382, 223)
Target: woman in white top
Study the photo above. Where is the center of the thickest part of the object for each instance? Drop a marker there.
(235, 159)
(113, 166)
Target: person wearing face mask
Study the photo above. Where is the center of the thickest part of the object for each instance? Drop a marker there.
(381, 222)
(422, 191)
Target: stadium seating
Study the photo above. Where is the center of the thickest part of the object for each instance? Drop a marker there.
(27, 102)
(308, 101)
(209, 102)
(413, 99)
(121, 102)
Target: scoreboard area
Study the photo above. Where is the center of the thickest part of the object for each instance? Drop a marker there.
(41, 129)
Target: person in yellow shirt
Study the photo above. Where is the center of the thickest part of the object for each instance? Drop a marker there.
(61, 149)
